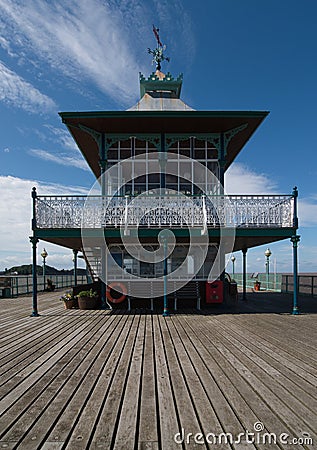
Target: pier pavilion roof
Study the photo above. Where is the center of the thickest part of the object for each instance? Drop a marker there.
(160, 110)
(134, 122)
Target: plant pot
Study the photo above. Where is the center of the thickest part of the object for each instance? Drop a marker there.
(87, 302)
(70, 304)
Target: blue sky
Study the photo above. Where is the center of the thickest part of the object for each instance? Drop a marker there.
(86, 55)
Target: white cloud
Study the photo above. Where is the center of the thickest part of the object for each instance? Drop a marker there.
(15, 224)
(92, 40)
(61, 158)
(239, 179)
(62, 137)
(15, 91)
(307, 212)
(84, 40)
(68, 156)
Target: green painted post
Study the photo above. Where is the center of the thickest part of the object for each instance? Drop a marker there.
(166, 311)
(44, 276)
(34, 242)
(244, 274)
(295, 218)
(103, 162)
(295, 240)
(222, 150)
(75, 252)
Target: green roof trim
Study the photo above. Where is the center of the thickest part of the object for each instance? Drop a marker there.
(154, 232)
(154, 113)
(154, 83)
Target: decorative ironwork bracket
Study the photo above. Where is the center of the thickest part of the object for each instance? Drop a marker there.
(213, 138)
(93, 133)
(228, 135)
(155, 139)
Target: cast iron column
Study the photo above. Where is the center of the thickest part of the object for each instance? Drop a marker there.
(165, 311)
(162, 162)
(295, 240)
(222, 163)
(34, 242)
(103, 166)
(244, 274)
(75, 252)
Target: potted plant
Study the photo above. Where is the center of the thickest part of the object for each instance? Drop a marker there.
(69, 300)
(87, 299)
(257, 285)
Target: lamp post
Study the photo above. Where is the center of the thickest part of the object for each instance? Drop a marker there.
(44, 255)
(267, 253)
(233, 259)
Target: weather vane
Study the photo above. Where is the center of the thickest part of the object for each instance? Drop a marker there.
(157, 53)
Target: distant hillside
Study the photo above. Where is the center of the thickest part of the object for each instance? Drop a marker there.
(26, 269)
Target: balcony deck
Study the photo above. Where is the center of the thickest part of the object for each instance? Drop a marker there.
(75, 379)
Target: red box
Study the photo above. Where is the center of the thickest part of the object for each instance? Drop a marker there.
(214, 292)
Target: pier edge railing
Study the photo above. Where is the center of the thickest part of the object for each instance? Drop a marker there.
(15, 285)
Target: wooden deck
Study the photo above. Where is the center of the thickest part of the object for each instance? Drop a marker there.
(75, 379)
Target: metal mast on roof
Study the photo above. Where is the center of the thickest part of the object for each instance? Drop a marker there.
(158, 55)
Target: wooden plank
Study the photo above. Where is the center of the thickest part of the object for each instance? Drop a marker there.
(259, 398)
(47, 413)
(294, 338)
(38, 367)
(17, 359)
(295, 363)
(189, 363)
(227, 399)
(273, 363)
(127, 433)
(139, 378)
(38, 390)
(167, 411)
(104, 433)
(148, 430)
(267, 380)
(81, 428)
(90, 394)
(188, 417)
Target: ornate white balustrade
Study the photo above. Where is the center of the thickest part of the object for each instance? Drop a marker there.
(156, 211)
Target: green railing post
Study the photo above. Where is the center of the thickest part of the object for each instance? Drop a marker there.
(75, 252)
(295, 240)
(165, 311)
(34, 242)
(244, 274)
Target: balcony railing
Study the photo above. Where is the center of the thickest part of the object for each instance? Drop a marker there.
(157, 211)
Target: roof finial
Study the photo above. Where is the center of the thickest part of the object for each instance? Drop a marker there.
(157, 53)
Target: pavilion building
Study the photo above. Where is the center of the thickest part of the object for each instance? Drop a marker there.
(159, 169)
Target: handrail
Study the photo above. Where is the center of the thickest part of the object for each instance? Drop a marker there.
(160, 210)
